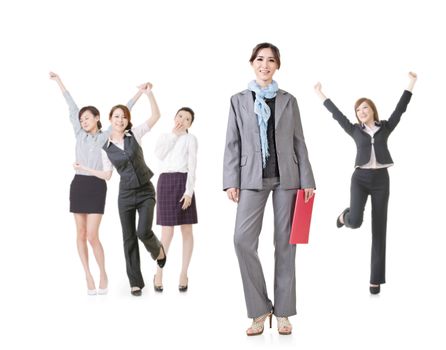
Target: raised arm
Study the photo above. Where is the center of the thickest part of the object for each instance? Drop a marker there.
(73, 108)
(318, 90)
(153, 106)
(412, 80)
(337, 114)
(134, 99)
(402, 103)
(56, 78)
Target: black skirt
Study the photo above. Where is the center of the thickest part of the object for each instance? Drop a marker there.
(87, 195)
(170, 189)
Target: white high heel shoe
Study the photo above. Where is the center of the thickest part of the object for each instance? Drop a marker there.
(284, 326)
(258, 324)
(102, 291)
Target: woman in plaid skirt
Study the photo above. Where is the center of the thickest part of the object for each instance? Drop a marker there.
(177, 152)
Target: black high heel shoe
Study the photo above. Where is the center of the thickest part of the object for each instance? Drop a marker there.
(158, 289)
(375, 289)
(339, 224)
(162, 262)
(183, 288)
(136, 292)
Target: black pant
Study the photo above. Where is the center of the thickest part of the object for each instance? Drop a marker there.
(142, 200)
(374, 182)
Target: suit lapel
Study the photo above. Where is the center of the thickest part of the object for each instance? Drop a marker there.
(282, 99)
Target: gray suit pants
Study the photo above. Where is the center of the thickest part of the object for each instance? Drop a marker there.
(248, 225)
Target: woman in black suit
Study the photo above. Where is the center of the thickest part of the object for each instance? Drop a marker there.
(370, 176)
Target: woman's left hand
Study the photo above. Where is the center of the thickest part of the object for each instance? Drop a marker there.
(309, 192)
(187, 201)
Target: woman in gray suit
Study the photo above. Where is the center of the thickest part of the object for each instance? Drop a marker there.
(265, 152)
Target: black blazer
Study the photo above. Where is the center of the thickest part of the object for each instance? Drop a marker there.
(363, 140)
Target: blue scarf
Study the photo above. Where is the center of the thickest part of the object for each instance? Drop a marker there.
(263, 112)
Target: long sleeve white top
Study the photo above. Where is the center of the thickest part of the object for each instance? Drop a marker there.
(178, 154)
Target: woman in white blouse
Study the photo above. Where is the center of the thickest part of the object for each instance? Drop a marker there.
(177, 152)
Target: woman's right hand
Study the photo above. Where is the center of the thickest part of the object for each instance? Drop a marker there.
(77, 166)
(146, 87)
(233, 194)
(178, 129)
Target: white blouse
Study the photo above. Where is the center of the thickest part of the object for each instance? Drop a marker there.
(178, 154)
(373, 164)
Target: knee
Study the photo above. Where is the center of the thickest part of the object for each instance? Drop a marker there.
(82, 235)
(241, 244)
(353, 222)
(144, 234)
(92, 238)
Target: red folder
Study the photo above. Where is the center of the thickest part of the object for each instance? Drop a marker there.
(300, 229)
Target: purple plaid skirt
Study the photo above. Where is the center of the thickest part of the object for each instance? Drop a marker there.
(170, 188)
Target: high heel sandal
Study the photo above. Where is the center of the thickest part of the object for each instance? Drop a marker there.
(162, 262)
(258, 324)
(284, 326)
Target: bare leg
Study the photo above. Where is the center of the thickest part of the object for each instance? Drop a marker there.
(188, 246)
(81, 240)
(166, 239)
(93, 222)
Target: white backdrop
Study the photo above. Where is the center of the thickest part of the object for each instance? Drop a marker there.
(196, 54)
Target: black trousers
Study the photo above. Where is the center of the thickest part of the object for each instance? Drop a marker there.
(373, 182)
(141, 200)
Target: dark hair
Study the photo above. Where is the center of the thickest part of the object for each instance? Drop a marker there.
(372, 106)
(187, 109)
(93, 110)
(274, 49)
(126, 115)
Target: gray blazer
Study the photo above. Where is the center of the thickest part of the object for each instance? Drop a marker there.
(242, 166)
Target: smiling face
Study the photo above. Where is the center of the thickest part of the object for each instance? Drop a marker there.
(119, 119)
(366, 112)
(265, 65)
(88, 121)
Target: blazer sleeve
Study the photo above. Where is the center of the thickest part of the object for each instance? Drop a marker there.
(300, 148)
(231, 159)
(399, 110)
(339, 117)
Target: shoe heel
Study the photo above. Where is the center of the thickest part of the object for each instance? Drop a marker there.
(271, 320)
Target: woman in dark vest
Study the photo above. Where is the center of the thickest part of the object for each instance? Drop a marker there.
(370, 176)
(136, 193)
